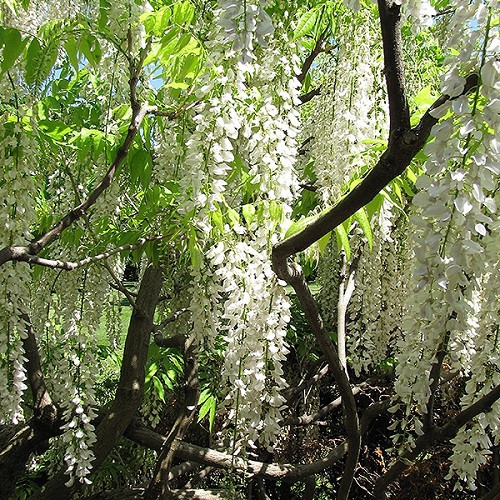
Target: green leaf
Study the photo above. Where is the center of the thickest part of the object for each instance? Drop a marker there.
(323, 242)
(206, 407)
(300, 225)
(13, 47)
(169, 44)
(153, 368)
(190, 62)
(234, 218)
(211, 417)
(306, 22)
(343, 239)
(194, 251)
(218, 219)
(407, 188)
(424, 98)
(248, 212)
(159, 389)
(72, 51)
(183, 13)
(275, 212)
(177, 85)
(156, 22)
(361, 217)
(397, 190)
(168, 382)
(91, 49)
(374, 205)
(141, 167)
(54, 129)
(32, 58)
(39, 60)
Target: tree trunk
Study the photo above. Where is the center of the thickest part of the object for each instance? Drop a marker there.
(17, 444)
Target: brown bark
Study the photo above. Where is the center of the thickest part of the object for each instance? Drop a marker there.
(148, 438)
(17, 444)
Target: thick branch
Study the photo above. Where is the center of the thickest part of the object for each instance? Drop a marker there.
(144, 436)
(433, 436)
(390, 22)
(391, 164)
(345, 292)
(309, 95)
(42, 402)
(435, 380)
(351, 422)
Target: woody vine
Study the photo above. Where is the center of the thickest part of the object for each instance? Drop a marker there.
(233, 153)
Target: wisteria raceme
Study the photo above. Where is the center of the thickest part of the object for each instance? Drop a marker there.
(420, 13)
(452, 227)
(349, 111)
(236, 294)
(17, 214)
(381, 282)
(13, 304)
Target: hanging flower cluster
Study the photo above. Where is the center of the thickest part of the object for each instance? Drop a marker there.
(246, 127)
(419, 12)
(17, 213)
(377, 304)
(452, 226)
(350, 109)
(77, 301)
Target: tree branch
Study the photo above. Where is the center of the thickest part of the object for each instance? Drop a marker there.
(295, 278)
(313, 417)
(122, 288)
(435, 381)
(43, 407)
(318, 48)
(345, 292)
(138, 114)
(309, 379)
(140, 434)
(390, 23)
(404, 143)
(391, 164)
(159, 487)
(71, 266)
(432, 437)
(310, 95)
(174, 317)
